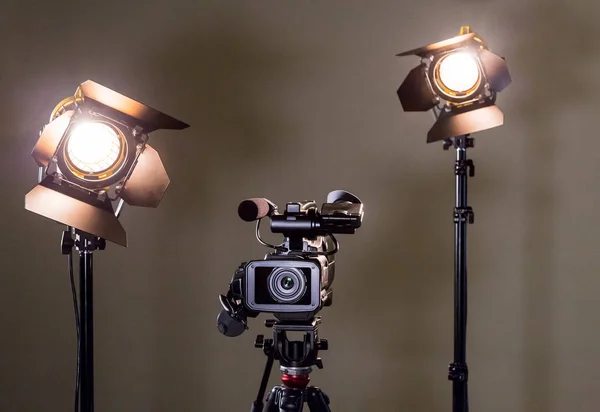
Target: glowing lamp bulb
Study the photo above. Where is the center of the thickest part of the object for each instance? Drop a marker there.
(458, 72)
(93, 147)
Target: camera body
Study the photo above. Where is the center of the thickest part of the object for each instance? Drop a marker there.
(294, 281)
(282, 286)
(293, 287)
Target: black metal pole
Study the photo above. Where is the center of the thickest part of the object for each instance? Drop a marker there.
(463, 214)
(85, 244)
(86, 342)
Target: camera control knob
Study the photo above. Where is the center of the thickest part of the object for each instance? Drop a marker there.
(323, 344)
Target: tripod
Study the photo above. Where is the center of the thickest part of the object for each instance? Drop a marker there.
(85, 244)
(296, 359)
(458, 372)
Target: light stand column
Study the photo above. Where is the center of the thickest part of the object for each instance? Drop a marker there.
(85, 244)
(463, 215)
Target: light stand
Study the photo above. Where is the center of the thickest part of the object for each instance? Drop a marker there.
(85, 244)
(463, 214)
(93, 153)
(458, 79)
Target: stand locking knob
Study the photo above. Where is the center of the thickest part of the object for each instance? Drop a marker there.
(67, 243)
(458, 372)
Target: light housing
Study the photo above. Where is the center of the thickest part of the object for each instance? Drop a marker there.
(94, 152)
(460, 77)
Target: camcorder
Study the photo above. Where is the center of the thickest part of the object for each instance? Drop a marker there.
(293, 281)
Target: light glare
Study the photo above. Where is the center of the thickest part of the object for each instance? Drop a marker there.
(93, 147)
(459, 72)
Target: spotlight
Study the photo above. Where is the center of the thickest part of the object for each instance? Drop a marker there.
(458, 78)
(94, 152)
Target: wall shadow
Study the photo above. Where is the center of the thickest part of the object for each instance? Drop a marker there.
(214, 75)
(543, 77)
(399, 295)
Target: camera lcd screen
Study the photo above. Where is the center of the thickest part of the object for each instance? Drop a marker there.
(275, 286)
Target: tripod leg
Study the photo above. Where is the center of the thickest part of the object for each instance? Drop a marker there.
(292, 400)
(317, 401)
(273, 400)
(283, 399)
(257, 405)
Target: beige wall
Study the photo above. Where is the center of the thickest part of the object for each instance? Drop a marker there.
(288, 100)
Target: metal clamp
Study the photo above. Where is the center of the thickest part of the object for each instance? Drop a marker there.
(462, 214)
(462, 167)
(458, 372)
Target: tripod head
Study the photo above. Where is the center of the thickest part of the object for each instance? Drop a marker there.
(294, 355)
(296, 358)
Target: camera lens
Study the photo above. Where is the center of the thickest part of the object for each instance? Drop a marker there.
(286, 285)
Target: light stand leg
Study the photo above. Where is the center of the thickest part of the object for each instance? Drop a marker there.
(86, 342)
(463, 214)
